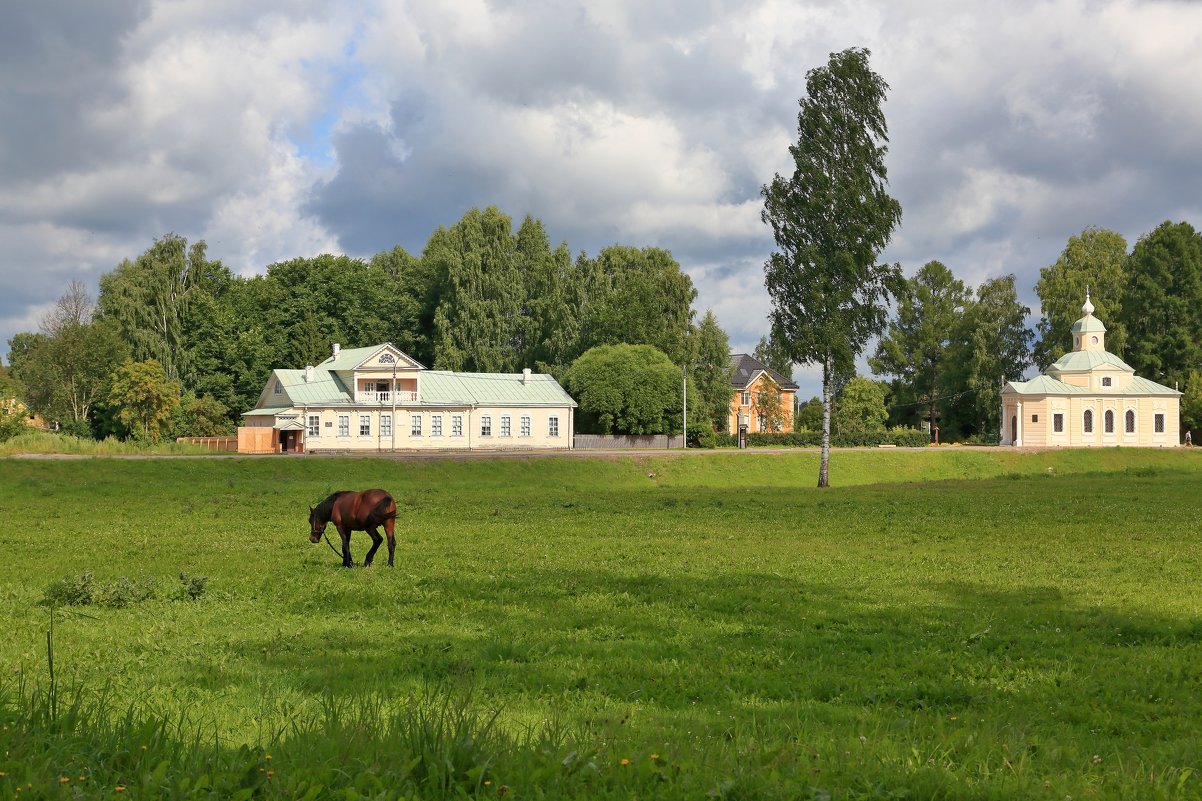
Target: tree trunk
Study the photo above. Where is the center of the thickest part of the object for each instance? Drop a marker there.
(828, 373)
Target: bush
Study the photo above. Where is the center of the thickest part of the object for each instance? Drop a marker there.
(190, 588)
(901, 437)
(69, 591)
(702, 435)
(82, 590)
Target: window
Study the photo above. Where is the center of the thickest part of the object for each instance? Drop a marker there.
(1158, 423)
(456, 425)
(505, 426)
(746, 397)
(1034, 418)
(485, 426)
(365, 425)
(553, 426)
(1130, 420)
(314, 425)
(1106, 380)
(436, 425)
(1087, 422)
(279, 388)
(1058, 423)
(344, 425)
(525, 425)
(415, 425)
(385, 425)
(1108, 419)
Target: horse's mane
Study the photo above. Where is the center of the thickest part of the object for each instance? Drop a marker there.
(326, 507)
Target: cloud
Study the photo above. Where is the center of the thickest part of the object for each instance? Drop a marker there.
(278, 129)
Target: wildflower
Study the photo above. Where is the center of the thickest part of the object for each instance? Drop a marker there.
(270, 774)
(502, 790)
(1097, 760)
(625, 761)
(268, 757)
(143, 748)
(64, 779)
(954, 717)
(261, 770)
(119, 788)
(2, 774)
(488, 782)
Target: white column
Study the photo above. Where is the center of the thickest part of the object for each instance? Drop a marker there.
(1018, 442)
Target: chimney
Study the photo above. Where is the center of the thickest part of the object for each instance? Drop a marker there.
(525, 376)
(308, 374)
(337, 349)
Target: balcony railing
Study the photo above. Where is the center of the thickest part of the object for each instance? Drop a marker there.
(385, 397)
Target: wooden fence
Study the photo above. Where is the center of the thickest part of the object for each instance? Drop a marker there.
(223, 444)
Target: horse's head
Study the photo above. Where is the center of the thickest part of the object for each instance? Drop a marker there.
(317, 526)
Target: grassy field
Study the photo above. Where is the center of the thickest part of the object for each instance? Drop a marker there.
(943, 624)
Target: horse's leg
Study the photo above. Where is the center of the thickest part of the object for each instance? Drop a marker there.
(346, 547)
(388, 526)
(376, 539)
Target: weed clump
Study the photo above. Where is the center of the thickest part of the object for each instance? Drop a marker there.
(84, 590)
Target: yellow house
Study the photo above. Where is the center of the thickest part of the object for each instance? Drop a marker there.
(15, 406)
(751, 383)
(380, 399)
(1090, 398)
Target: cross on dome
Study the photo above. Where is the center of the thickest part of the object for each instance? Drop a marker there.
(1088, 307)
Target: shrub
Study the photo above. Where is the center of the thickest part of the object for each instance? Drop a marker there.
(70, 591)
(190, 587)
(702, 435)
(901, 437)
(124, 592)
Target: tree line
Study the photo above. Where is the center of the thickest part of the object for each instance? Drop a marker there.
(175, 343)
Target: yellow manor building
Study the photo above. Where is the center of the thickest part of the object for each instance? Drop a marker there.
(1090, 398)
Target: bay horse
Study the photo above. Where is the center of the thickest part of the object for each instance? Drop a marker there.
(356, 511)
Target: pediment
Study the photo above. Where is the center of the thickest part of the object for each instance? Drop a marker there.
(389, 357)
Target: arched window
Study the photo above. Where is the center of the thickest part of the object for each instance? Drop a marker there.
(1087, 421)
(1106, 381)
(1109, 421)
(1130, 421)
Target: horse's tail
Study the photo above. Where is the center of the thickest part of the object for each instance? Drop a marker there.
(386, 508)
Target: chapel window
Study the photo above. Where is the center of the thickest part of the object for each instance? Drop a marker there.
(1130, 421)
(1087, 421)
(1109, 421)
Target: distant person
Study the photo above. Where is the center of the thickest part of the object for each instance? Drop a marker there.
(1188, 441)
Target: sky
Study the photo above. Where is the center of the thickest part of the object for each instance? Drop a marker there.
(279, 129)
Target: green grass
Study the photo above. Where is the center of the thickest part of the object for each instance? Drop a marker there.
(42, 442)
(978, 627)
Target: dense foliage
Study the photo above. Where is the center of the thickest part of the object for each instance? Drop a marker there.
(626, 389)
(480, 297)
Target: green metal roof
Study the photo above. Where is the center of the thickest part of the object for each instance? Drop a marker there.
(324, 388)
(1046, 385)
(349, 358)
(266, 410)
(1089, 325)
(442, 388)
(1082, 360)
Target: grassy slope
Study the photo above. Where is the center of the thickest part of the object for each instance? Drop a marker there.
(983, 638)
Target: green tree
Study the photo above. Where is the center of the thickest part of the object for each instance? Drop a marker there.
(861, 408)
(830, 220)
(709, 374)
(1162, 307)
(773, 354)
(626, 389)
(65, 368)
(767, 406)
(548, 325)
(914, 349)
(1094, 260)
(809, 415)
(990, 345)
(201, 417)
(10, 386)
(1191, 403)
(147, 300)
(476, 323)
(637, 297)
(144, 398)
